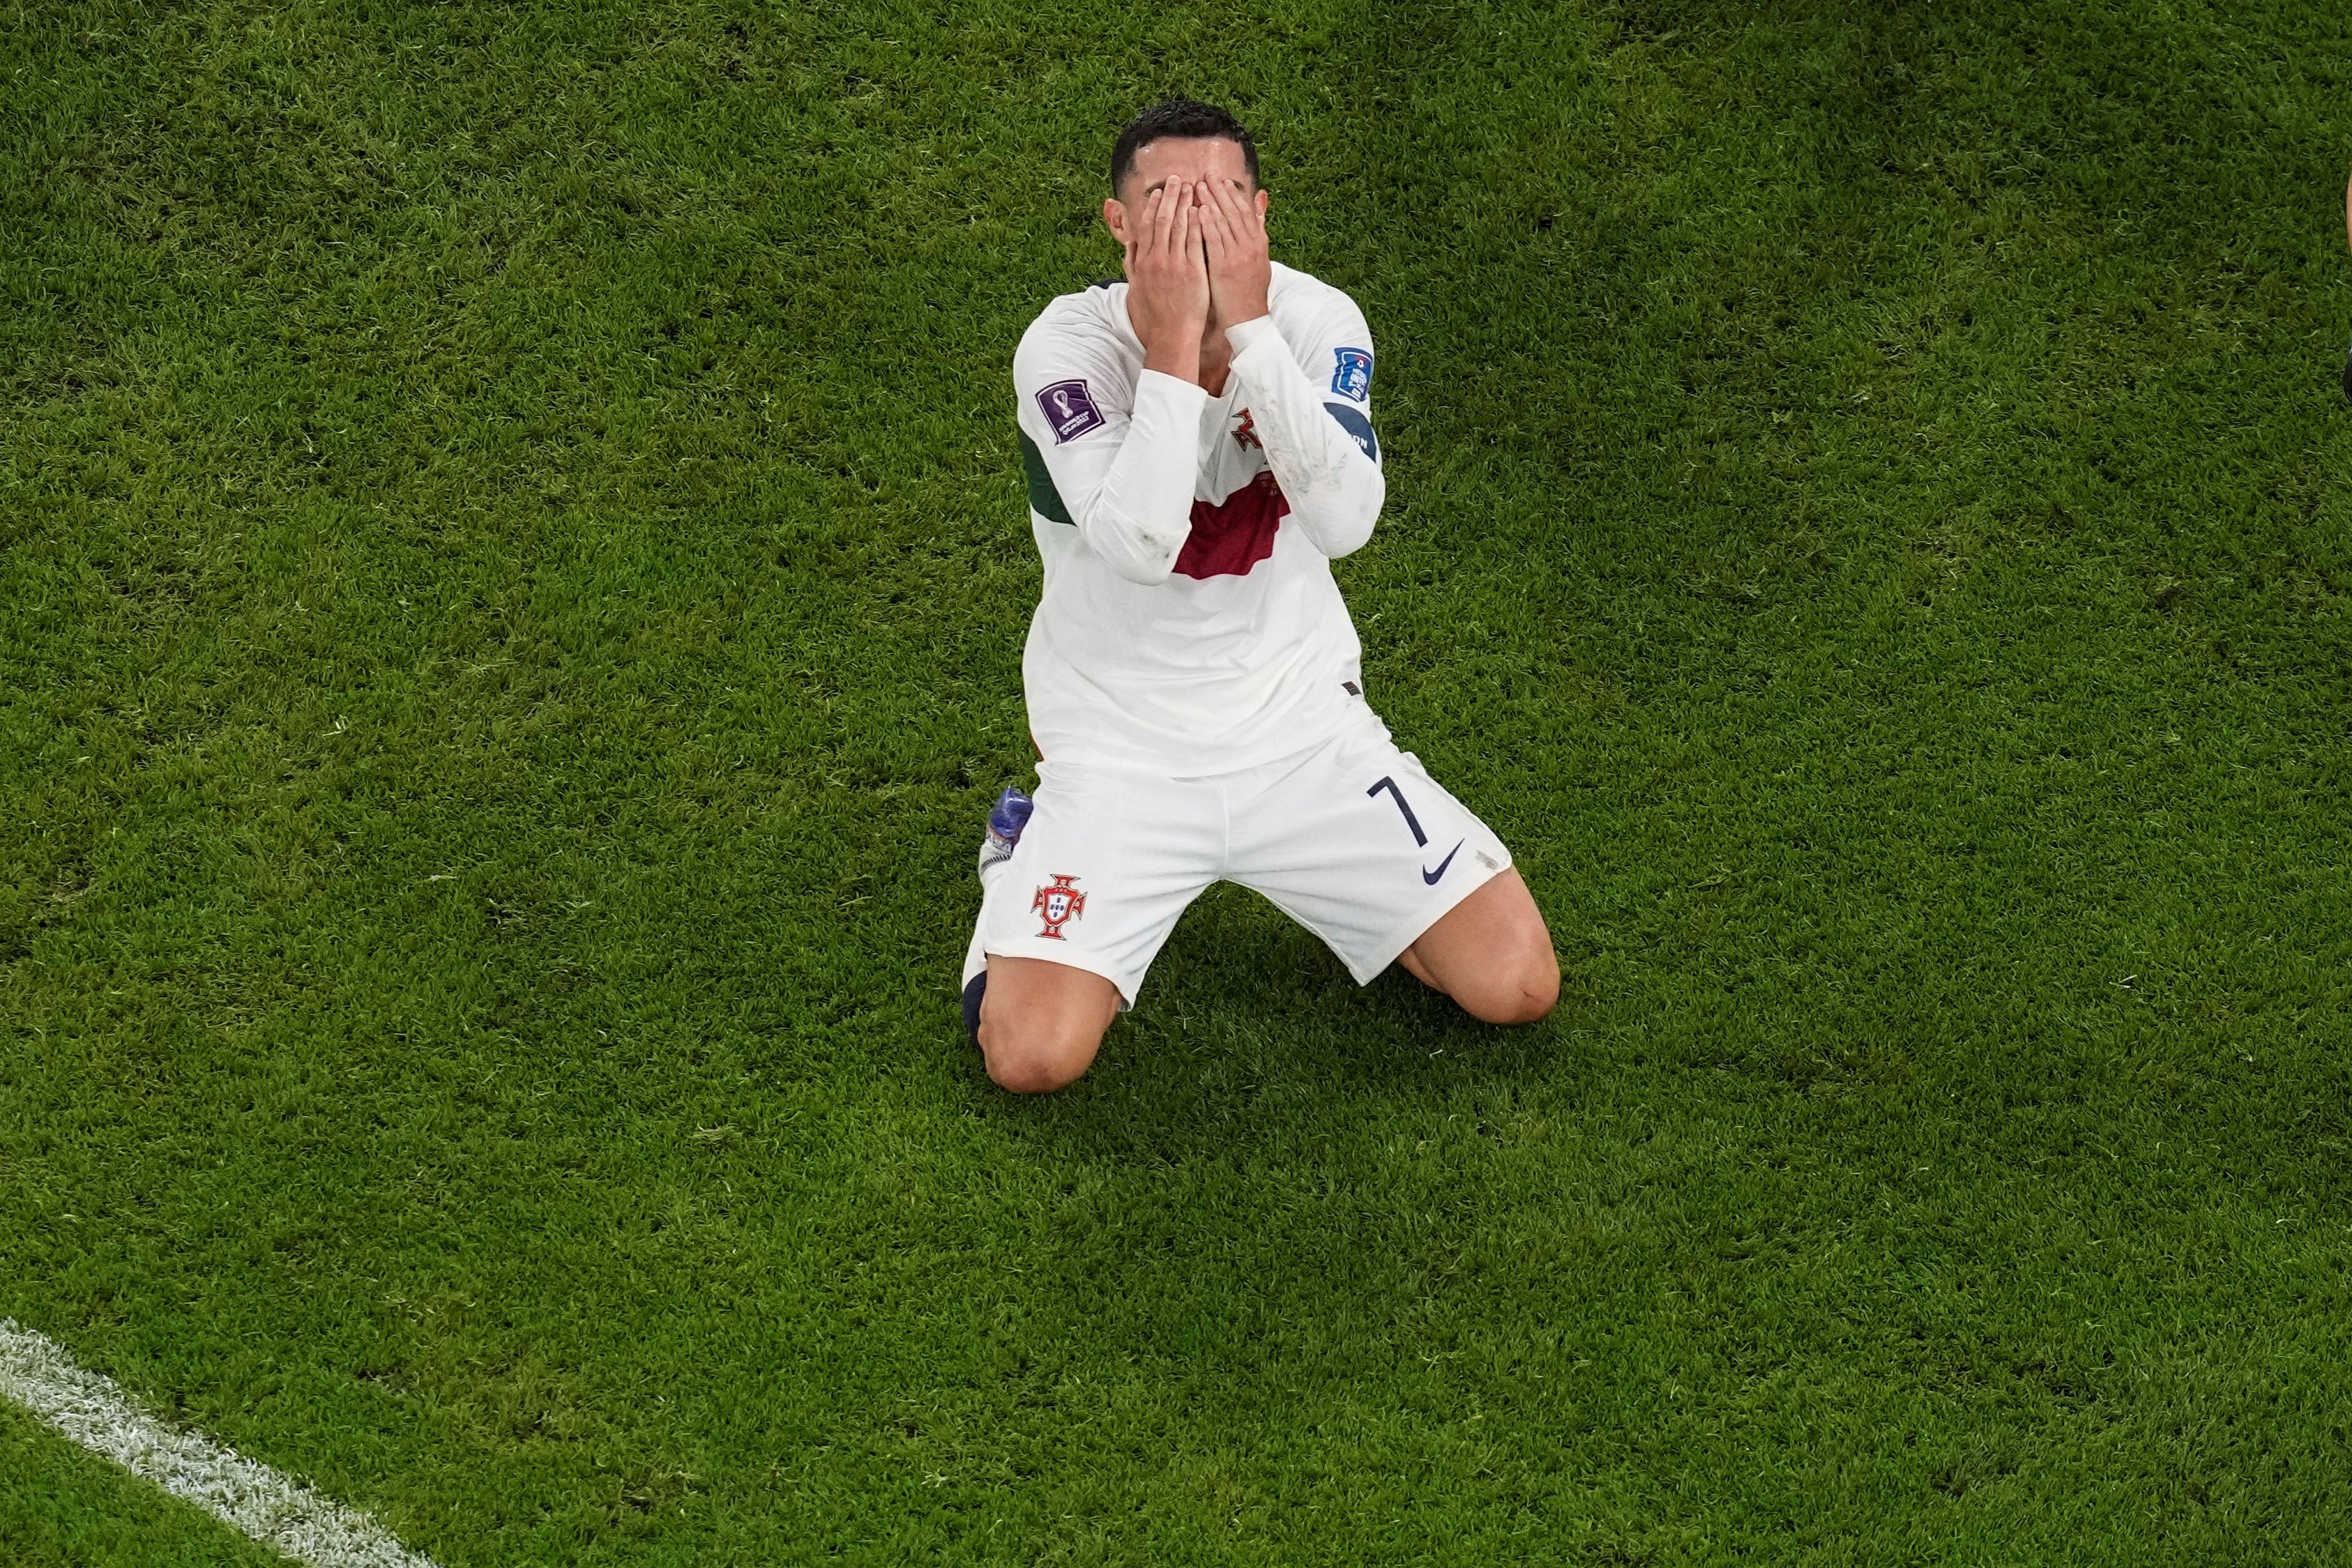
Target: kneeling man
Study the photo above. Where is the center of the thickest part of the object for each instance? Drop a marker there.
(1199, 448)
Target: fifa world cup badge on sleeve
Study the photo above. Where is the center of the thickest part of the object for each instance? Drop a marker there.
(1056, 903)
(1070, 410)
(1352, 376)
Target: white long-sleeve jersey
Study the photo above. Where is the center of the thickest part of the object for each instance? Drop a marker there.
(1190, 622)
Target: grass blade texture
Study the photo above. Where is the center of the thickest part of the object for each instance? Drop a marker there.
(514, 563)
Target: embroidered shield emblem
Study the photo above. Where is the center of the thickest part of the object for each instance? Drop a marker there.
(1056, 902)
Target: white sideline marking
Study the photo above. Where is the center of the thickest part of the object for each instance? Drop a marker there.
(275, 1509)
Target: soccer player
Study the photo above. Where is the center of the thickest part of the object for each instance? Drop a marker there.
(1199, 446)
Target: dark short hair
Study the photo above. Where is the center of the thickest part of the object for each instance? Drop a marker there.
(1180, 118)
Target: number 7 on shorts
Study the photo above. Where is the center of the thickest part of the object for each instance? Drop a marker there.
(1398, 796)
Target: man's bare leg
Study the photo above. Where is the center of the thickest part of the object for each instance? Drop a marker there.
(1490, 952)
(1041, 1022)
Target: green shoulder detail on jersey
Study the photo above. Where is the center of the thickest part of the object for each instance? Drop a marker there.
(1044, 499)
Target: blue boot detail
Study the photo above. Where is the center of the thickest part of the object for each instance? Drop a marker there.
(1006, 821)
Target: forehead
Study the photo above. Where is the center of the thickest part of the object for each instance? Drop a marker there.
(1189, 158)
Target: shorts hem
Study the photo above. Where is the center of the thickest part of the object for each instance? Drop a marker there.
(1062, 953)
(1414, 929)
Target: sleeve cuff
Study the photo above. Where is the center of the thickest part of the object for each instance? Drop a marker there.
(1244, 336)
(1186, 397)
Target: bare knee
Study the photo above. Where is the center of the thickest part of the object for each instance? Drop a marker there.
(1492, 954)
(1036, 1060)
(1041, 1023)
(1514, 994)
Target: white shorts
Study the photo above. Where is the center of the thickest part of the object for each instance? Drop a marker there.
(1352, 838)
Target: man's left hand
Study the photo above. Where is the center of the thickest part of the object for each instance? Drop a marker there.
(1233, 230)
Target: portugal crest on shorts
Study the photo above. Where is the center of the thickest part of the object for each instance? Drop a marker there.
(1056, 902)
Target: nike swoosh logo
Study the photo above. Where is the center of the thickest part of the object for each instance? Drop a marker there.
(1431, 876)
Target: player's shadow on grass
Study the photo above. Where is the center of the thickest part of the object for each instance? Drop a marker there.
(1249, 1027)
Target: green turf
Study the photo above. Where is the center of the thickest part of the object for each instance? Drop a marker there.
(514, 568)
(61, 1508)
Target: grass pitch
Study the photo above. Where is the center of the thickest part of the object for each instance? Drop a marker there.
(514, 568)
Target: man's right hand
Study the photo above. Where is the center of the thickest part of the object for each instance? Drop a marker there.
(1168, 282)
